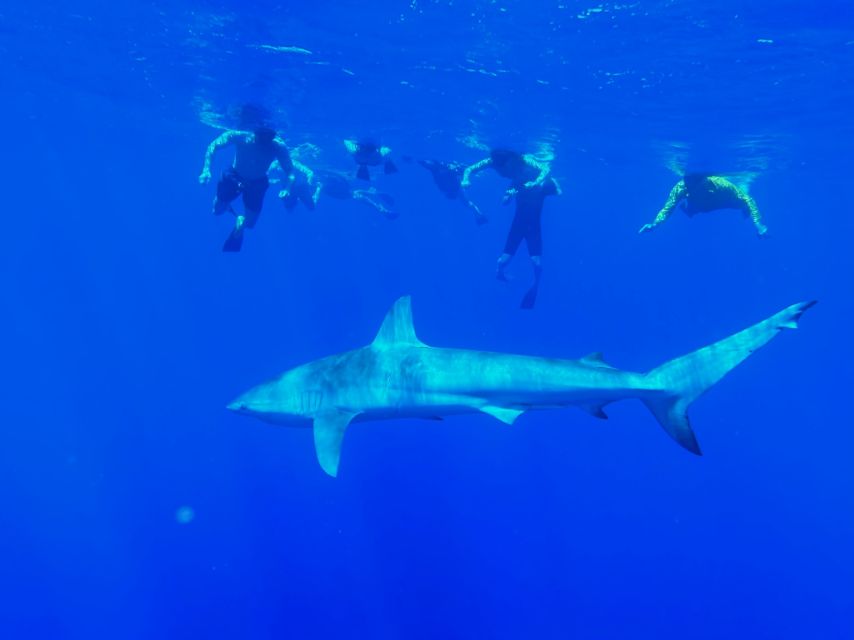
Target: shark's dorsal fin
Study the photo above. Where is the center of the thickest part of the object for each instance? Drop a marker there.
(596, 359)
(329, 427)
(397, 327)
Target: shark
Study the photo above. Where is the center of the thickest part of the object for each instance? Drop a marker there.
(398, 376)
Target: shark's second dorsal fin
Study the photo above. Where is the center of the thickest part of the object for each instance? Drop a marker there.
(596, 359)
(397, 327)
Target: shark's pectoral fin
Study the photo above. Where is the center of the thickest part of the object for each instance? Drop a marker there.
(329, 428)
(507, 415)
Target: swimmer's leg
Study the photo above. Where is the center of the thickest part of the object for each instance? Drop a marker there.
(227, 189)
(503, 260)
(534, 240)
(530, 298)
(235, 239)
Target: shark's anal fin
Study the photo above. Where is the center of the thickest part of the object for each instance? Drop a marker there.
(397, 327)
(505, 414)
(329, 428)
(594, 410)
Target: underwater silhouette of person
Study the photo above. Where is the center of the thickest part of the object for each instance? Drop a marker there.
(367, 153)
(310, 186)
(448, 177)
(254, 153)
(530, 185)
(700, 193)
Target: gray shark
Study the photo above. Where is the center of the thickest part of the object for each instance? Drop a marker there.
(398, 376)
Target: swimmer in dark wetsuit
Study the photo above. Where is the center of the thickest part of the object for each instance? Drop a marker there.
(448, 177)
(309, 186)
(699, 193)
(530, 184)
(254, 153)
(369, 154)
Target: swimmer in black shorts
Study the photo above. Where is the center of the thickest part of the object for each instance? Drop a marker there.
(255, 151)
(530, 184)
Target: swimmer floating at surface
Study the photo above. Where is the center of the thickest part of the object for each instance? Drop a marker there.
(700, 193)
(530, 184)
(448, 176)
(255, 151)
(309, 186)
(369, 154)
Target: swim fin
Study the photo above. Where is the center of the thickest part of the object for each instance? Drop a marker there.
(363, 173)
(530, 298)
(390, 167)
(234, 241)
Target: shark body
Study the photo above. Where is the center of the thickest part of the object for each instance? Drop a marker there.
(398, 376)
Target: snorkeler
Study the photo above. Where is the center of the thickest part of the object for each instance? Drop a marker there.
(331, 184)
(255, 151)
(530, 184)
(369, 154)
(448, 176)
(700, 193)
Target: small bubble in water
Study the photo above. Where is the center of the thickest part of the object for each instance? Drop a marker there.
(185, 515)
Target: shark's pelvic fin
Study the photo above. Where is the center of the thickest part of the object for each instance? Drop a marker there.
(507, 415)
(683, 380)
(397, 327)
(329, 428)
(594, 410)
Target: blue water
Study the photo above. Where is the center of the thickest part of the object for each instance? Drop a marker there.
(133, 505)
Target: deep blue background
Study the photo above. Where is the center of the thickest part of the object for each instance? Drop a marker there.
(125, 330)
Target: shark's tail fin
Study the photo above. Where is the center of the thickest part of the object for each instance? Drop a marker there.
(685, 379)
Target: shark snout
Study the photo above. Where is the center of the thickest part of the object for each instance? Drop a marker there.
(237, 405)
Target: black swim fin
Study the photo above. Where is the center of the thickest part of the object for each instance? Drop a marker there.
(390, 167)
(530, 298)
(234, 241)
(363, 173)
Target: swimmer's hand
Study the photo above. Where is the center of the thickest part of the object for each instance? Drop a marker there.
(508, 195)
(531, 184)
(283, 194)
(205, 176)
(762, 230)
(647, 227)
(481, 219)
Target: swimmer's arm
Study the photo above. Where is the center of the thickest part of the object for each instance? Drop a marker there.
(227, 138)
(541, 167)
(304, 170)
(477, 166)
(351, 146)
(744, 203)
(750, 208)
(676, 195)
